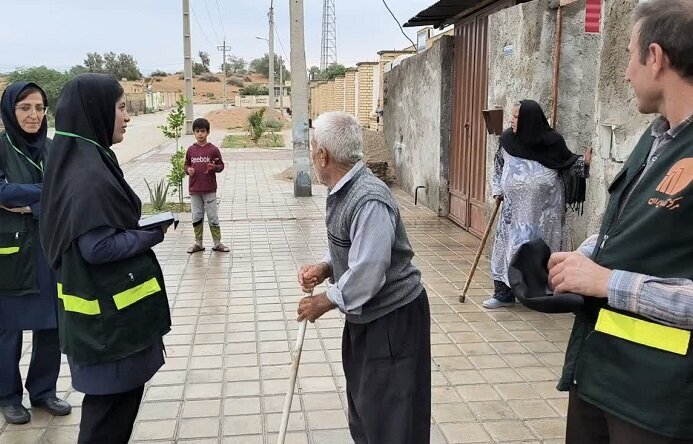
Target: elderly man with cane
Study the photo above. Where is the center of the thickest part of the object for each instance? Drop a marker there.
(386, 346)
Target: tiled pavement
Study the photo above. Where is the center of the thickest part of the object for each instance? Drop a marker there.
(227, 368)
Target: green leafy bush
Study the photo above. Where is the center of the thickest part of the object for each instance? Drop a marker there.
(256, 125)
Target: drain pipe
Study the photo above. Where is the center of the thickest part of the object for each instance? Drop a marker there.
(416, 193)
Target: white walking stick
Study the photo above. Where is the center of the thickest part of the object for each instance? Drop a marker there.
(295, 361)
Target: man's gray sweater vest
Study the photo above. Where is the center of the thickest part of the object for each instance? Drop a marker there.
(402, 280)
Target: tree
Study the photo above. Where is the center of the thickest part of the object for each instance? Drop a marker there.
(174, 130)
(77, 70)
(204, 58)
(50, 80)
(261, 66)
(121, 66)
(94, 62)
(333, 71)
(198, 69)
(234, 65)
(314, 73)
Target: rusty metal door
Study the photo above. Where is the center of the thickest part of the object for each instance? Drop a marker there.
(468, 136)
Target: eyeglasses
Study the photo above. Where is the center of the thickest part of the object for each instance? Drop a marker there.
(27, 108)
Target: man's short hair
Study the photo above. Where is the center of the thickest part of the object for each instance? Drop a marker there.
(201, 123)
(340, 134)
(668, 23)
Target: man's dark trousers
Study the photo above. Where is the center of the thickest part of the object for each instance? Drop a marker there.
(588, 424)
(43, 368)
(387, 364)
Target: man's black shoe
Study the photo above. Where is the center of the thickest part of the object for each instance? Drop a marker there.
(16, 414)
(54, 406)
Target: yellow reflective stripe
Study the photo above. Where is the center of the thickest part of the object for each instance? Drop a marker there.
(9, 250)
(134, 294)
(654, 335)
(77, 304)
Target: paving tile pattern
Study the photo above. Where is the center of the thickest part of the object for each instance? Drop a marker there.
(493, 372)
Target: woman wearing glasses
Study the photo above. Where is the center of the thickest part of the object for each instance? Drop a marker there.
(27, 285)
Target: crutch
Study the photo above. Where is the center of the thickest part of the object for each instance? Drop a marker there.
(295, 360)
(463, 296)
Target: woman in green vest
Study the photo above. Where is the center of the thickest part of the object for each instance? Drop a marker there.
(27, 284)
(112, 305)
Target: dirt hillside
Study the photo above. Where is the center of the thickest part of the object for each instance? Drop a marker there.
(237, 118)
(377, 156)
(204, 92)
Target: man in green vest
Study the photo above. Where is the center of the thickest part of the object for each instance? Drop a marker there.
(629, 362)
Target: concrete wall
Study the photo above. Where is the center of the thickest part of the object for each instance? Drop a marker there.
(260, 101)
(596, 105)
(618, 123)
(521, 44)
(417, 107)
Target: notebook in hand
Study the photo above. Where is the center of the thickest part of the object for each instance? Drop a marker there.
(165, 218)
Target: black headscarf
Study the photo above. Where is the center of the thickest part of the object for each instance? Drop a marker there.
(84, 187)
(536, 140)
(32, 145)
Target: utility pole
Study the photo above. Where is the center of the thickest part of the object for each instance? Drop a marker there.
(281, 85)
(271, 55)
(299, 102)
(187, 67)
(223, 48)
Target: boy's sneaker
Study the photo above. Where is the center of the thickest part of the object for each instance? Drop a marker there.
(495, 303)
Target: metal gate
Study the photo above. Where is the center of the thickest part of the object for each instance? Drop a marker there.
(468, 137)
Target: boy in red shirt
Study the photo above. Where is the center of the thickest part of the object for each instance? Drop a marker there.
(202, 163)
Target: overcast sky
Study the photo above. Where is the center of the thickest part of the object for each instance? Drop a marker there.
(58, 33)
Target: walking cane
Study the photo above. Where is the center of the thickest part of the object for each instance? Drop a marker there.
(295, 360)
(463, 296)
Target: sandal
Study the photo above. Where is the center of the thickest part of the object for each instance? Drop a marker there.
(221, 248)
(195, 248)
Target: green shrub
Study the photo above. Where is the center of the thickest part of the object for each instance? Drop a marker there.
(254, 90)
(256, 125)
(274, 125)
(236, 81)
(208, 78)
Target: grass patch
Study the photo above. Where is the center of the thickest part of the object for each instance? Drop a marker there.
(243, 141)
(173, 207)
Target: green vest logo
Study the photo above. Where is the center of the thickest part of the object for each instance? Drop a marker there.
(678, 177)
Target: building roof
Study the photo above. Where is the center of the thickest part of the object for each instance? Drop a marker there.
(445, 12)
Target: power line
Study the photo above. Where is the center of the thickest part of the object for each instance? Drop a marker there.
(280, 44)
(211, 22)
(220, 20)
(200, 26)
(400, 25)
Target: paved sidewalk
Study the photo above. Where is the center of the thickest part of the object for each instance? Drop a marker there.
(494, 372)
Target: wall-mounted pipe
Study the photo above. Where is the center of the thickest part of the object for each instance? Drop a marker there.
(556, 64)
(416, 193)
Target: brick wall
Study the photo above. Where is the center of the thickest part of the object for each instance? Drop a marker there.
(339, 99)
(350, 91)
(365, 91)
